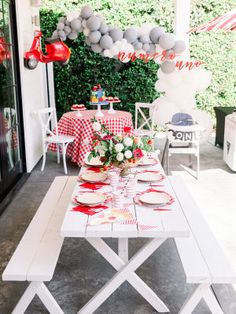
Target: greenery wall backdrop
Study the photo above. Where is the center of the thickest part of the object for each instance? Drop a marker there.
(134, 81)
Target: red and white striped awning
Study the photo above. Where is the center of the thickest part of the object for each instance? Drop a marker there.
(226, 22)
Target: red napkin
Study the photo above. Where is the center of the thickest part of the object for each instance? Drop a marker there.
(88, 210)
(95, 169)
(93, 186)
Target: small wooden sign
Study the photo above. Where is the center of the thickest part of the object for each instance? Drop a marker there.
(183, 136)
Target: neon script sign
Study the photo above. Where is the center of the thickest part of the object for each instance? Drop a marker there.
(164, 56)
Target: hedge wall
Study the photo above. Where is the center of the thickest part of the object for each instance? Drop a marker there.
(135, 81)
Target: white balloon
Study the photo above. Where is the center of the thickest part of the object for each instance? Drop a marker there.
(72, 15)
(84, 23)
(114, 50)
(203, 119)
(160, 86)
(163, 111)
(145, 29)
(124, 41)
(106, 53)
(86, 31)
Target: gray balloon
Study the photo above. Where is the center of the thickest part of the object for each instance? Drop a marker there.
(138, 45)
(94, 37)
(131, 35)
(67, 30)
(67, 23)
(170, 53)
(93, 23)
(106, 42)
(155, 34)
(145, 39)
(167, 41)
(103, 28)
(152, 48)
(179, 46)
(96, 48)
(62, 20)
(76, 25)
(168, 67)
(116, 34)
(62, 35)
(86, 12)
(60, 26)
(110, 27)
(55, 34)
(146, 47)
(73, 35)
(87, 41)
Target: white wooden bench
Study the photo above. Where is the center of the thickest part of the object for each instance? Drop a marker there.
(35, 257)
(202, 258)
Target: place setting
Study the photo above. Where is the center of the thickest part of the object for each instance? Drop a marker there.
(154, 199)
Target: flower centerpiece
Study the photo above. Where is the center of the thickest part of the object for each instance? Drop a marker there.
(122, 150)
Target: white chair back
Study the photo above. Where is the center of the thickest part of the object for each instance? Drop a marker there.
(46, 117)
(147, 120)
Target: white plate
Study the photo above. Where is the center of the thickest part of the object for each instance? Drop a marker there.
(94, 162)
(149, 176)
(147, 161)
(154, 198)
(90, 198)
(94, 176)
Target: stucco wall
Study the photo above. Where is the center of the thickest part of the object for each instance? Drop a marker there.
(32, 84)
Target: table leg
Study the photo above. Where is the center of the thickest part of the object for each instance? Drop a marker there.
(123, 249)
(126, 271)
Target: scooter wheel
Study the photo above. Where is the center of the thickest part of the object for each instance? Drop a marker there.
(64, 63)
(31, 64)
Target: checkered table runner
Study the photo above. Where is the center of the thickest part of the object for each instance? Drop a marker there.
(81, 128)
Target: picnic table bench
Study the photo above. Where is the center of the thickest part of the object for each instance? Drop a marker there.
(36, 255)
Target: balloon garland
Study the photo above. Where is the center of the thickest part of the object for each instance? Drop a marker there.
(108, 40)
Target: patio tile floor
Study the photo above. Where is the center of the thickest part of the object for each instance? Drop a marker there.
(78, 273)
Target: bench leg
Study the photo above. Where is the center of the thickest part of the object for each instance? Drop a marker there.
(126, 271)
(202, 291)
(43, 293)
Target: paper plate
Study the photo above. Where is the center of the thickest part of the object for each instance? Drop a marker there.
(94, 177)
(149, 176)
(94, 162)
(155, 198)
(147, 161)
(90, 198)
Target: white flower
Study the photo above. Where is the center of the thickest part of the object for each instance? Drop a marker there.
(128, 154)
(101, 152)
(128, 141)
(96, 126)
(119, 147)
(120, 156)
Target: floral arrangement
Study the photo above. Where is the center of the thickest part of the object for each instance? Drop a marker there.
(123, 150)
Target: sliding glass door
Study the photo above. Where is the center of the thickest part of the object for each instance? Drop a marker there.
(11, 136)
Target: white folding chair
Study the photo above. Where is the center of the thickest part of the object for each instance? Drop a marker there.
(182, 140)
(146, 126)
(49, 136)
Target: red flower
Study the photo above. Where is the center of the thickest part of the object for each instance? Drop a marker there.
(127, 129)
(103, 159)
(150, 142)
(107, 137)
(138, 153)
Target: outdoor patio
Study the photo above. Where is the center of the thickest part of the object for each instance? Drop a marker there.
(77, 276)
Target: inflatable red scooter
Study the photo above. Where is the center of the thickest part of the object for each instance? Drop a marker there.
(4, 51)
(56, 50)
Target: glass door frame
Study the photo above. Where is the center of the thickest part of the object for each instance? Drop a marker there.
(17, 172)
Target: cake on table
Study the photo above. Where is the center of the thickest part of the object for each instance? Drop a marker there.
(98, 94)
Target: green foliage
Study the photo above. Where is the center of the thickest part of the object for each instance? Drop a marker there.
(135, 81)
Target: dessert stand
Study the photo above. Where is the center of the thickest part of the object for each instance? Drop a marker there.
(99, 104)
(111, 101)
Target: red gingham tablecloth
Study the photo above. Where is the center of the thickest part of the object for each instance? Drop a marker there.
(81, 128)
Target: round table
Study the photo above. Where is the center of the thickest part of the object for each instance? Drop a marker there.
(81, 128)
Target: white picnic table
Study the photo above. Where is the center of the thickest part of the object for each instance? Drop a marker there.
(156, 225)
